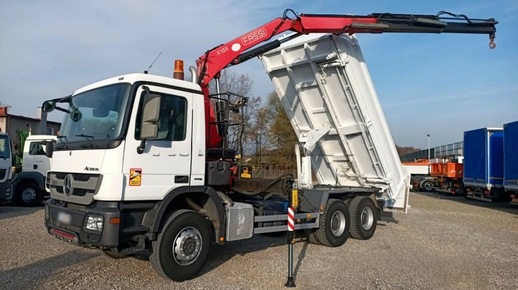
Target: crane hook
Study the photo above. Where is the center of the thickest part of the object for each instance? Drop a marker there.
(492, 44)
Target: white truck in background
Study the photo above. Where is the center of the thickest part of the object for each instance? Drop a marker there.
(6, 163)
(28, 186)
(141, 165)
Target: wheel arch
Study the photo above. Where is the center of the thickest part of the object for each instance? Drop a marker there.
(29, 176)
(202, 199)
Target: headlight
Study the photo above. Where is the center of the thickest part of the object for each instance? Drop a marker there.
(94, 223)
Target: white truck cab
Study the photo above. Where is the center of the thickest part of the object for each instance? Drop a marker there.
(29, 185)
(6, 163)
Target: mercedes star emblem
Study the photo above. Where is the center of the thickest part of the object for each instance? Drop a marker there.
(67, 184)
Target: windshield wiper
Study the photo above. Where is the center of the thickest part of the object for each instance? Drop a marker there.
(63, 144)
(91, 144)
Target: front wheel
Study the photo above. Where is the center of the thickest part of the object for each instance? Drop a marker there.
(29, 194)
(182, 247)
(427, 186)
(114, 255)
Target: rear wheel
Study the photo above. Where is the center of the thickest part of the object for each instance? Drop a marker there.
(363, 217)
(182, 247)
(334, 225)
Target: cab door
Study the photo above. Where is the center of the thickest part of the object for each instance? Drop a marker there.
(35, 159)
(165, 163)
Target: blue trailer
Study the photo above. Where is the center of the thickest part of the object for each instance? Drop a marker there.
(484, 164)
(511, 160)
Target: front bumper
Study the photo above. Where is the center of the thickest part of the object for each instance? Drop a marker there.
(67, 222)
(6, 190)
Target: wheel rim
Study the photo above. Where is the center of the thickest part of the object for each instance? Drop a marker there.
(187, 246)
(28, 195)
(428, 185)
(338, 223)
(367, 218)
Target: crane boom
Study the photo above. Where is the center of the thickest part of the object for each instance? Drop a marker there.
(235, 51)
(243, 48)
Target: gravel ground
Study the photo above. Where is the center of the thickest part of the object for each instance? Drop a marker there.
(442, 243)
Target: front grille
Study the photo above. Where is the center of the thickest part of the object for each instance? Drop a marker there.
(82, 187)
(77, 207)
(2, 173)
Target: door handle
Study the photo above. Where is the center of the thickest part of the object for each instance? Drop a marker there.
(184, 154)
(156, 154)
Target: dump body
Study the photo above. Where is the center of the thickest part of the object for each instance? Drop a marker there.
(483, 157)
(447, 170)
(511, 156)
(322, 81)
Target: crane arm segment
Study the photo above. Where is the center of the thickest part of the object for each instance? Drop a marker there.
(240, 49)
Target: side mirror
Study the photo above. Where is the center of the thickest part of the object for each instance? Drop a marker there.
(150, 115)
(49, 149)
(48, 106)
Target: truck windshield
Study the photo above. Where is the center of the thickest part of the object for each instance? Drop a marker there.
(5, 149)
(97, 114)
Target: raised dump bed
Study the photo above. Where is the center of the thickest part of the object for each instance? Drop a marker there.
(323, 82)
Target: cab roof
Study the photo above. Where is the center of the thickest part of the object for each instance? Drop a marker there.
(136, 77)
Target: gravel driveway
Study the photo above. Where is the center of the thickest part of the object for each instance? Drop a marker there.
(442, 243)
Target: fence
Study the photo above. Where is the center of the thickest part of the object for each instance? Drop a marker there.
(270, 173)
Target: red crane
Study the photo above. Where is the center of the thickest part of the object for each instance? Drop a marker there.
(239, 50)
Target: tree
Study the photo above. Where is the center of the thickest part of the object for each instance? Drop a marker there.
(405, 150)
(240, 137)
(281, 136)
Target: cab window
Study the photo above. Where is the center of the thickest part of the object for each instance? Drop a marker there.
(36, 148)
(172, 123)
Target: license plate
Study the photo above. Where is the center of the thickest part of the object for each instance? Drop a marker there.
(64, 218)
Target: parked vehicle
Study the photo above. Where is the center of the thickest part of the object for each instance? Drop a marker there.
(29, 185)
(6, 162)
(511, 160)
(437, 175)
(484, 164)
(142, 166)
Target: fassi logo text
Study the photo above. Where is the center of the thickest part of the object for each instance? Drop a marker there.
(254, 36)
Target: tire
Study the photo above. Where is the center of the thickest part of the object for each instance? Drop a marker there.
(427, 186)
(29, 194)
(113, 255)
(189, 229)
(363, 218)
(312, 236)
(334, 224)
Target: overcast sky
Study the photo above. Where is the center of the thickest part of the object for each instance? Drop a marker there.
(428, 84)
